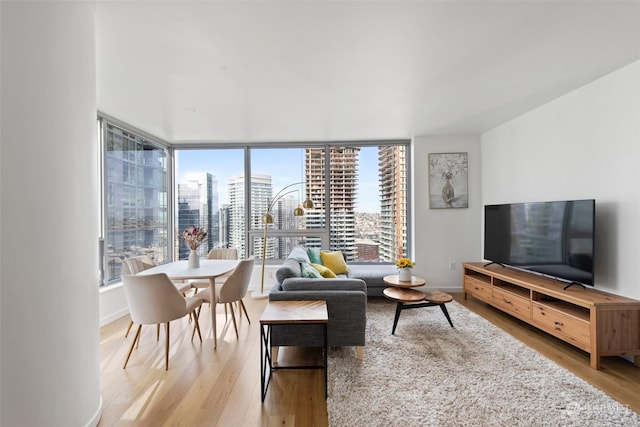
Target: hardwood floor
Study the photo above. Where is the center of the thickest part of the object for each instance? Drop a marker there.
(207, 387)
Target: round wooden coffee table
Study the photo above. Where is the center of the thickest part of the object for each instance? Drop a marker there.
(407, 298)
(394, 280)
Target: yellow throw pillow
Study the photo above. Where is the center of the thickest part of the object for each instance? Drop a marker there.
(324, 271)
(334, 261)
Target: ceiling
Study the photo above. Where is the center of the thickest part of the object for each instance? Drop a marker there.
(268, 71)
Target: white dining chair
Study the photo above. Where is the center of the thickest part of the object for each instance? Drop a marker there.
(136, 264)
(154, 299)
(216, 253)
(233, 289)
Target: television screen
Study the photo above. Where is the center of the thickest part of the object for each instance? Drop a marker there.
(555, 239)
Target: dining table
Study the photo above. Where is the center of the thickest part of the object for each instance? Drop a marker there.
(209, 269)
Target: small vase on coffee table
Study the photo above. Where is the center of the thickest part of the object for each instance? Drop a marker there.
(404, 274)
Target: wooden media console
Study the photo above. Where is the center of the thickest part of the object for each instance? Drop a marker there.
(597, 322)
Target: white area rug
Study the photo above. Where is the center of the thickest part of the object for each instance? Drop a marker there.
(429, 374)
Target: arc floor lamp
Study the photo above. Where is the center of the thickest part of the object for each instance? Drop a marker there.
(267, 219)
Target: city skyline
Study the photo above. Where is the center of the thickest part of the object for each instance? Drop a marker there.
(285, 166)
(349, 233)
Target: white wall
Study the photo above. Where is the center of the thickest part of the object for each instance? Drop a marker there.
(449, 235)
(50, 370)
(585, 144)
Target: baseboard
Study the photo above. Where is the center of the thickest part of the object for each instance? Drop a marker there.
(455, 290)
(113, 316)
(93, 422)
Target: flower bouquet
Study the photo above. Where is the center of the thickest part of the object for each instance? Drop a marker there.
(405, 263)
(404, 269)
(193, 237)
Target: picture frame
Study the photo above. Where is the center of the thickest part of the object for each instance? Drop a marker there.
(448, 180)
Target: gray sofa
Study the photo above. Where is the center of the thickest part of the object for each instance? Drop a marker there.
(346, 298)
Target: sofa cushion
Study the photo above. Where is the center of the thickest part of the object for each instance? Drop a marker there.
(303, 284)
(289, 268)
(334, 261)
(314, 255)
(308, 270)
(299, 253)
(324, 271)
(372, 274)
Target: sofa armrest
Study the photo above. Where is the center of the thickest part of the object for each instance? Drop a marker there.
(323, 285)
(347, 312)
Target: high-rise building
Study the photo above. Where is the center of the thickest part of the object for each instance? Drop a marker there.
(393, 199)
(343, 191)
(135, 198)
(261, 193)
(224, 229)
(198, 207)
(284, 219)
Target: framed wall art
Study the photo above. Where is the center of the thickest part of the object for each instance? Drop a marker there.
(448, 175)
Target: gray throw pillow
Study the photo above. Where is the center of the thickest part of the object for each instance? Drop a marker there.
(299, 253)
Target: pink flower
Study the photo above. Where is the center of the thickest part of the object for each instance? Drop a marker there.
(193, 237)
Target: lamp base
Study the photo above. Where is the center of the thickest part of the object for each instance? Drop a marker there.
(259, 295)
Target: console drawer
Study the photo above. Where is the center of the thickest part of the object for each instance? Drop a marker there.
(478, 289)
(512, 304)
(568, 328)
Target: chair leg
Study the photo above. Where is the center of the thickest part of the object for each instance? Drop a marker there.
(166, 347)
(126, 334)
(158, 332)
(233, 317)
(196, 314)
(245, 311)
(135, 339)
(196, 326)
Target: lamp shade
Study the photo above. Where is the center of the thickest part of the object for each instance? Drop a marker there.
(308, 204)
(298, 211)
(267, 218)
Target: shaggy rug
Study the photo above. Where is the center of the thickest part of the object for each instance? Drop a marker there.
(429, 374)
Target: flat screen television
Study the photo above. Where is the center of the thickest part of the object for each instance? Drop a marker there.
(554, 239)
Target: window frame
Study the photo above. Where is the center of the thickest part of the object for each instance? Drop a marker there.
(102, 123)
(251, 234)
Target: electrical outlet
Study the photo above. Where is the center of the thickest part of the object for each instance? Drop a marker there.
(452, 265)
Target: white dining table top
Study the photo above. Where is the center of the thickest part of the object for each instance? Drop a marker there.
(179, 270)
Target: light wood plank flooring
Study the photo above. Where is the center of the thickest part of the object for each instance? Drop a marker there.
(207, 387)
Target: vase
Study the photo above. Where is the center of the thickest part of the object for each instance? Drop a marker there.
(404, 274)
(194, 259)
(447, 192)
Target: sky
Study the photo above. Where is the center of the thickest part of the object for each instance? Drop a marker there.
(284, 165)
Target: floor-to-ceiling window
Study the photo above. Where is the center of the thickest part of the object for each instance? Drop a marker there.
(210, 195)
(350, 197)
(135, 198)
(358, 194)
